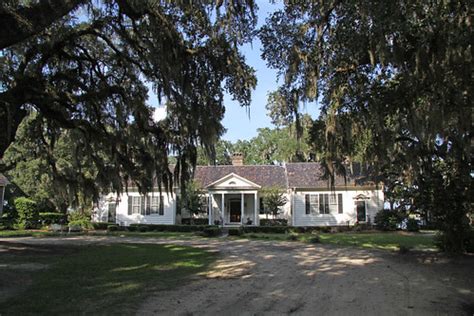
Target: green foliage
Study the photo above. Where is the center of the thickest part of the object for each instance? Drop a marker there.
(112, 228)
(274, 222)
(85, 77)
(386, 220)
(314, 239)
(196, 221)
(192, 200)
(265, 229)
(292, 237)
(273, 200)
(28, 215)
(412, 225)
(170, 228)
(235, 232)
(100, 226)
(82, 219)
(394, 97)
(211, 231)
(48, 218)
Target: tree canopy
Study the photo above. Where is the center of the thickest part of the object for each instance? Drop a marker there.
(83, 70)
(394, 83)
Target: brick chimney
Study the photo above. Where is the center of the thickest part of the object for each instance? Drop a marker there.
(238, 159)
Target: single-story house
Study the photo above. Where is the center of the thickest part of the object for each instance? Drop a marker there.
(233, 197)
(3, 184)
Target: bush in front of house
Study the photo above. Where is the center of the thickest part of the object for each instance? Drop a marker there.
(82, 223)
(100, 226)
(28, 215)
(314, 239)
(274, 222)
(196, 221)
(266, 229)
(386, 220)
(292, 237)
(235, 232)
(412, 225)
(112, 227)
(48, 218)
(169, 228)
(211, 231)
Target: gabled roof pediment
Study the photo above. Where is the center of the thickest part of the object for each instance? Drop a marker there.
(233, 180)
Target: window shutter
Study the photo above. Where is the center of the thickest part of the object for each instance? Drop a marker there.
(339, 203)
(129, 205)
(307, 204)
(148, 205)
(142, 208)
(162, 206)
(321, 204)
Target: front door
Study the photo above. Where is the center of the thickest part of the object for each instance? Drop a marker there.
(235, 211)
(361, 215)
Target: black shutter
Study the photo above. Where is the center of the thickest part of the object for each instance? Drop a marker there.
(321, 204)
(129, 205)
(307, 204)
(339, 203)
(142, 208)
(148, 205)
(162, 206)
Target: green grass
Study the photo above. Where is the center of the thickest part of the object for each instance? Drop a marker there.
(44, 233)
(374, 240)
(110, 279)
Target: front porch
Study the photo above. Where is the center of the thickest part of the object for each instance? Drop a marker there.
(233, 208)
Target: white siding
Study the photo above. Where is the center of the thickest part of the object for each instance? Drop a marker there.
(349, 217)
(168, 216)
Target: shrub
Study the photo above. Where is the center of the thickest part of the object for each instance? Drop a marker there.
(100, 226)
(83, 223)
(386, 220)
(469, 242)
(48, 218)
(235, 231)
(112, 228)
(142, 228)
(211, 231)
(412, 225)
(196, 221)
(265, 229)
(169, 228)
(292, 237)
(314, 239)
(28, 215)
(274, 222)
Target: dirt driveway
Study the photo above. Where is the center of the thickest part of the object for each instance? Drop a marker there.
(274, 278)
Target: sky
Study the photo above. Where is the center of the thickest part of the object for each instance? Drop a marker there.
(240, 122)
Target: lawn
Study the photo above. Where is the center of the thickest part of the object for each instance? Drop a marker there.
(374, 240)
(108, 279)
(44, 233)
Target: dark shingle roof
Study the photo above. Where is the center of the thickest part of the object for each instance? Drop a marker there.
(265, 176)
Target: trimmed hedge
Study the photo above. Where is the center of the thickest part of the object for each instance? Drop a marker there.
(265, 229)
(48, 218)
(168, 228)
(101, 226)
(274, 222)
(196, 221)
(113, 227)
(28, 215)
(235, 231)
(211, 231)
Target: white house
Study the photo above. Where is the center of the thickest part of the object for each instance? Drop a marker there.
(233, 195)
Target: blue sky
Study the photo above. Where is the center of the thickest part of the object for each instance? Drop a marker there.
(240, 122)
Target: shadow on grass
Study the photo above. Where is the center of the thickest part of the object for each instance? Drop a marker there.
(105, 279)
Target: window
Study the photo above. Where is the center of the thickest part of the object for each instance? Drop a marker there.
(311, 203)
(154, 204)
(323, 203)
(136, 205)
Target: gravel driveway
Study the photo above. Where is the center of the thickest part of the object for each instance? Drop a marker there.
(279, 278)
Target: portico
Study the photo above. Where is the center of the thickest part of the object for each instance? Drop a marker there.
(233, 201)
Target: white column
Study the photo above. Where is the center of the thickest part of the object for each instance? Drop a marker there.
(241, 208)
(222, 208)
(255, 209)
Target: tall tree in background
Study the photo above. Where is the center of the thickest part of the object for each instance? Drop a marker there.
(82, 67)
(394, 80)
